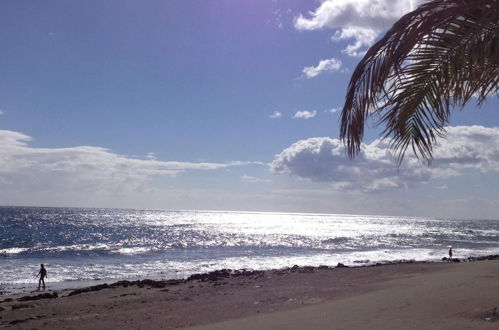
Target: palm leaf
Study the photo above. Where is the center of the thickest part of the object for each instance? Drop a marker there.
(431, 61)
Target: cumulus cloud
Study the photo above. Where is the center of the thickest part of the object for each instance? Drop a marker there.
(333, 110)
(324, 159)
(276, 115)
(82, 168)
(360, 20)
(363, 38)
(328, 65)
(469, 147)
(305, 114)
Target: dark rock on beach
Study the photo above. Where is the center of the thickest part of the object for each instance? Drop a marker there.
(89, 289)
(244, 272)
(222, 274)
(489, 257)
(211, 276)
(125, 284)
(19, 306)
(46, 295)
(306, 269)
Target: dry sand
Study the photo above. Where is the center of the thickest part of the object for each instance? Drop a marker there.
(403, 296)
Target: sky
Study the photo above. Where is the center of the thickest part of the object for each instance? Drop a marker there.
(216, 105)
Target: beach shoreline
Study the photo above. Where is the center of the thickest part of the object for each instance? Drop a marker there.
(144, 244)
(103, 283)
(208, 300)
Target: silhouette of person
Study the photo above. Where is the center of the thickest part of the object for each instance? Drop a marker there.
(450, 252)
(43, 274)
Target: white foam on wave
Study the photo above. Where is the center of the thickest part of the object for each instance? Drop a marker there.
(133, 250)
(13, 250)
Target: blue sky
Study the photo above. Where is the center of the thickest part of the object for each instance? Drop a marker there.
(211, 105)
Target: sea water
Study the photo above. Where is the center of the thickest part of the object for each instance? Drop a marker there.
(87, 246)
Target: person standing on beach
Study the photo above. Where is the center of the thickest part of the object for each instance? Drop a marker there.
(450, 252)
(43, 274)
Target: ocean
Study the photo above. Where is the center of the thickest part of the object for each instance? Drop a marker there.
(83, 246)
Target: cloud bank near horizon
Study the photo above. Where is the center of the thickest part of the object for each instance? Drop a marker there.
(84, 168)
(324, 159)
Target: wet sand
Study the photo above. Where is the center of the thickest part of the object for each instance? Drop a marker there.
(399, 296)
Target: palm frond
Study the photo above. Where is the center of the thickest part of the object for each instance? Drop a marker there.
(431, 61)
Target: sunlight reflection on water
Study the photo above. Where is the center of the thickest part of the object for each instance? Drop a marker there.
(102, 244)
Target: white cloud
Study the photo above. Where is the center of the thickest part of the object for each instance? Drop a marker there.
(364, 37)
(333, 110)
(305, 114)
(328, 65)
(252, 179)
(360, 20)
(469, 147)
(276, 115)
(1, 112)
(82, 168)
(324, 159)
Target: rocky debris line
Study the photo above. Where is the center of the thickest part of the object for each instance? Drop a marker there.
(224, 273)
(142, 283)
(398, 262)
(24, 320)
(211, 277)
(490, 257)
(46, 295)
(297, 269)
(221, 274)
(125, 284)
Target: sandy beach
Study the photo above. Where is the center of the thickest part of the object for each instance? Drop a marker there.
(399, 296)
